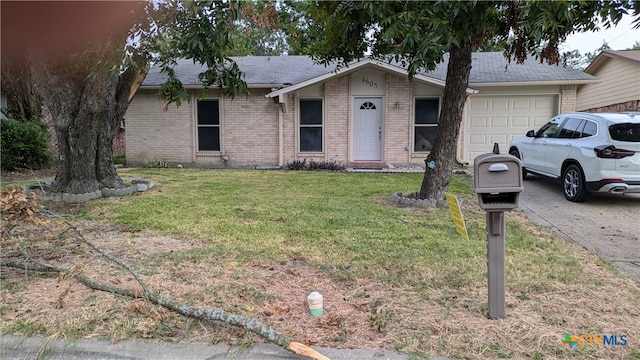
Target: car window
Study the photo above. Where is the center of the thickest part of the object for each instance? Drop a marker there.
(550, 128)
(590, 128)
(625, 132)
(571, 129)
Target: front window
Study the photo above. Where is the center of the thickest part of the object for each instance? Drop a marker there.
(426, 124)
(208, 125)
(311, 125)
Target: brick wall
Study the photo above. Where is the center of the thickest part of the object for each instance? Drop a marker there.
(398, 121)
(248, 128)
(337, 127)
(621, 107)
(290, 131)
(249, 132)
(155, 134)
(568, 98)
(119, 143)
(338, 123)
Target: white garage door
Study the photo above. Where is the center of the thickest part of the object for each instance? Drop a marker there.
(497, 119)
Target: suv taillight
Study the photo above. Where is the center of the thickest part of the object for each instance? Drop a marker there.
(611, 152)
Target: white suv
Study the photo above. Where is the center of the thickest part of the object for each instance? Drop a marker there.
(589, 152)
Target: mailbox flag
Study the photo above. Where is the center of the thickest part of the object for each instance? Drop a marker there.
(456, 214)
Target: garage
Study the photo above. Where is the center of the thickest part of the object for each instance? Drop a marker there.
(498, 118)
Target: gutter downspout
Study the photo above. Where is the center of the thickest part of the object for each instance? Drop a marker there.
(282, 109)
(280, 138)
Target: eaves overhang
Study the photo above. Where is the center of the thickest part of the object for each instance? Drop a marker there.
(198, 87)
(606, 56)
(535, 83)
(280, 93)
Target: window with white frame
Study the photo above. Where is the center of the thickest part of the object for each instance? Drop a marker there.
(208, 125)
(311, 125)
(425, 123)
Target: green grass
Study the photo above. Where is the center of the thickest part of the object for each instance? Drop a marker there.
(27, 327)
(344, 225)
(342, 222)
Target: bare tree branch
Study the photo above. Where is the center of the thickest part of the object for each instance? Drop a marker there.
(213, 314)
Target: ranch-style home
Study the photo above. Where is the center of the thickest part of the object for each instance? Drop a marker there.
(366, 114)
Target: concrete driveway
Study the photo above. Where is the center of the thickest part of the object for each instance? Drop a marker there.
(606, 224)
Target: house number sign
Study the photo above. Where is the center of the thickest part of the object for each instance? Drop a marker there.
(371, 83)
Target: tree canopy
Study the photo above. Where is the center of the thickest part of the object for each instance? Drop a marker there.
(84, 57)
(418, 35)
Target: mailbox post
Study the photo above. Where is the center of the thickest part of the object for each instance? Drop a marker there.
(498, 183)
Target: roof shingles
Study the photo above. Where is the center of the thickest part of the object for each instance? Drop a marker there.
(487, 67)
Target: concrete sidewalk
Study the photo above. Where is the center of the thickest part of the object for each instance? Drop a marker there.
(16, 347)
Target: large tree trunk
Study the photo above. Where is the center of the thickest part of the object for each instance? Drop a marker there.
(440, 161)
(87, 100)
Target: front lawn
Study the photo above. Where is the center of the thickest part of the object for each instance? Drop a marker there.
(257, 242)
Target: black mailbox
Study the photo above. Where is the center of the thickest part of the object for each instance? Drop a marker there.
(497, 180)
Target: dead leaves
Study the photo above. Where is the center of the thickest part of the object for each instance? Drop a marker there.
(21, 210)
(17, 205)
(144, 307)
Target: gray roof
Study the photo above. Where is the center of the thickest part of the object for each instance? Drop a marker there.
(492, 67)
(487, 67)
(276, 70)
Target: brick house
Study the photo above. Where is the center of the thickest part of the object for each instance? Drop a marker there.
(365, 113)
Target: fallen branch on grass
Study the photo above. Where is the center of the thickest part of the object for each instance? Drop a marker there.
(249, 324)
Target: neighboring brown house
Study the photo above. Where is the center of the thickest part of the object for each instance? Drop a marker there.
(367, 113)
(619, 86)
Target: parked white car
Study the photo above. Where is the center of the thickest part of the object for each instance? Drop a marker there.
(589, 152)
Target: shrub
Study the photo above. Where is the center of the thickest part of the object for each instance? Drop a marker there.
(156, 164)
(120, 160)
(315, 165)
(24, 144)
(297, 165)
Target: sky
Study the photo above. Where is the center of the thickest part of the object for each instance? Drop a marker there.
(621, 37)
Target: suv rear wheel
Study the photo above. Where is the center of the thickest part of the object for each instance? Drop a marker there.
(573, 184)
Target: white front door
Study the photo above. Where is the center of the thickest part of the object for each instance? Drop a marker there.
(367, 135)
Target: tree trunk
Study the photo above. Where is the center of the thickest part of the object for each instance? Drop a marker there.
(440, 161)
(87, 101)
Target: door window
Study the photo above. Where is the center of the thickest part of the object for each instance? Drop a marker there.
(571, 129)
(549, 129)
